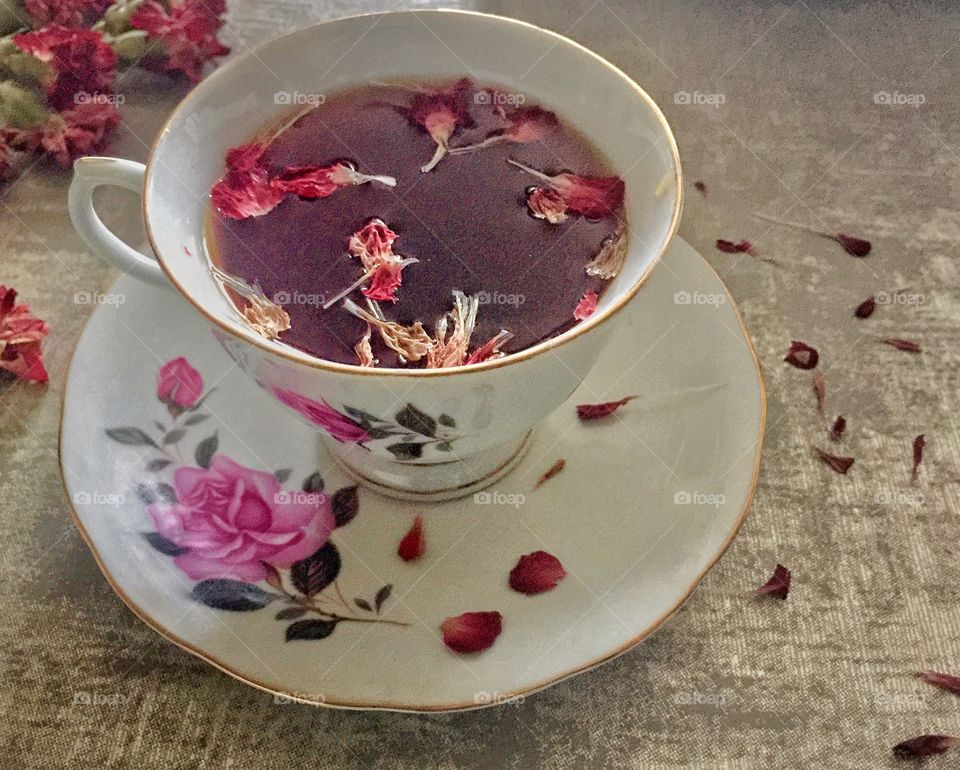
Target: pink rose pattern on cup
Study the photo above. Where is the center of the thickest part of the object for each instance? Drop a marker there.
(249, 541)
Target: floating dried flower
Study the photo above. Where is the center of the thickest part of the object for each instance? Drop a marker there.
(612, 254)
(819, 385)
(586, 307)
(778, 585)
(593, 197)
(262, 315)
(312, 182)
(909, 346)
(452, 350)
(947, 682)
(441, 113)
(918, 444)
(536, 572)
(413, 545)
(857, 247)
(596, 411)
(245, 189)
(364, 351)
(471, 631)
(925, 746)
(838, 427)
(838, 464)
(701, 188)
(552, 471)
(491, 348)
(21, 335)
(801, 355)
(865, 309)
(729, 247)
(547, 204)
(525, 124)
(410, 342)
(373, 245)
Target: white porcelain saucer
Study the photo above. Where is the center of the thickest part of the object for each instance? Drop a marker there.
(649, 499)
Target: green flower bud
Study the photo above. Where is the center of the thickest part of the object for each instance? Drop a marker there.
(20, 107)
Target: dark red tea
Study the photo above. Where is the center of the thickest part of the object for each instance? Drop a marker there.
(417, 225)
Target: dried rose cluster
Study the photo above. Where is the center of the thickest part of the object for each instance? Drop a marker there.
(251, 188)
(59, 61)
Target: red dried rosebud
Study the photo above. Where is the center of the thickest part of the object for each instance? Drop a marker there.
(65, 13)
(865, 309)
(593, 197)
(586, 307)
(78, 131)
(595, 411)
(729, 247)
(778, 585)
(536, 572)
(21, 335)
(801, 355)
(835, 463)
(918, 444)
(471, 631)
(441, 113)
(78, 61)
(184, 39)
(413, 545)
(947, 682)
(838, 427)
(925, 746)
(179, 385)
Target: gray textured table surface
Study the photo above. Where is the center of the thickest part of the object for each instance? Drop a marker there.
(824, 680)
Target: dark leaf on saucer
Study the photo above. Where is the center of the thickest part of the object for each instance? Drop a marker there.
(206, 449)
(377, 433)
(865, 309)
(202, 398)
(290, 613)
(406, 450)
(909, 346)
(167, 493)
(345, 504)
(854, 246)
(363, 604)
(195, 419)
(365, 418)
(447, 421)
(174, 436)
(778, 585)
(282, 474)
(160, 543)
(838, 464)
(413, 419)
(838, 427)
(160, 426)
(801, 355)
(918, 444)
(310, 629)
(317, 571)
(382, 595)
(947, 682)
(313, 483)
(925, 746)
(157, 465)
(131, 436)
(233, 595)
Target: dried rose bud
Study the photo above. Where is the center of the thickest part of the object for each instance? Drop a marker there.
(865, 309)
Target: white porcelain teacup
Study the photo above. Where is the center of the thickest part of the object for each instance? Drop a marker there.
(451, 431)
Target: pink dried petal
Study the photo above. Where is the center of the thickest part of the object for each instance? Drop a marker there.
(865, 309)
(313, 182)
(593, 197)
(245, 194)
(909, 346)
(838, 427)
(701, 188)
(586, 307)
(729, 247)
(778, 585)
(384, 283)
(372, 243)
(819, 389)
(838, 464)
(491, 348)
(552, 471)
(471, 631)
(547, 204)
(441, 113)
(918, 444)
(947, 682)
(856, 247)
(413, 545)
(536, 572)
(925, 746)
(595, 411)
(801, 355)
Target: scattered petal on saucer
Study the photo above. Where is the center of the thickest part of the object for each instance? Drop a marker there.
(536, 572)
(801, 355)
(471, 631)
(778, 585)
(835, 462)
(595, 411)
(414, 544)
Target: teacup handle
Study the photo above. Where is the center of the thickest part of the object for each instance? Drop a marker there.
(89, 174)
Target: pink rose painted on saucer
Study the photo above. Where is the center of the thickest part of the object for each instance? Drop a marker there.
(234, 519)
(179, 385)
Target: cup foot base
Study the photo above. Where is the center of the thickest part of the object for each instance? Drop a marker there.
(429, 483)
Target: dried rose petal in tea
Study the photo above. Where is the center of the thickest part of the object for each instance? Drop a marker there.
(336, 236)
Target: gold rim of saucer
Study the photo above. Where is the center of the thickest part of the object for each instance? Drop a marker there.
(304, 359)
